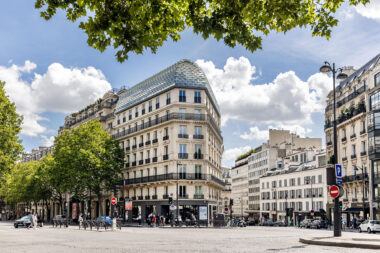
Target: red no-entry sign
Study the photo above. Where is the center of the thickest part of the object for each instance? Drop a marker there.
(334, 191)
(113, 201)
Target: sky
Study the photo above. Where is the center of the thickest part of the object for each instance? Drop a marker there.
(50, 71)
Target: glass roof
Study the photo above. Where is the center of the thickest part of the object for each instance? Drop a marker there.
(183, 74)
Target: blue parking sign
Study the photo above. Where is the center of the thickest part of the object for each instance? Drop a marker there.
(339, 181)
(338, 170)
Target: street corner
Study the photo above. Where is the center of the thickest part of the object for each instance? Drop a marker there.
(344, 241)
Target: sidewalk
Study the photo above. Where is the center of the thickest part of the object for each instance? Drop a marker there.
(348, 240)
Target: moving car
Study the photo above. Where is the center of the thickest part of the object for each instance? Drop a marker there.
(371, 226)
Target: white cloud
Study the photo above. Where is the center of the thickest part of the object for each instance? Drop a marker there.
(48, 141)
(255, 134)
(287, 100)
(370, 10)
(60, 89)
(230, 155)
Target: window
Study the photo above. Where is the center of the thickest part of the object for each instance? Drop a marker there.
(124, 118)
(198, 171)
(299, 181)
(182, 148)
(353, 130)
(143, 109)
(182, 96)
(197, 97)
(166, 149)
(182, 113)
(166, 190)
(198, 190)
(118, 120)
(362, 126)
(198, 149)
(353, 148)
(168, 100)
(377, 79)
(166, 169)
(182, 191)
(136, 112)
(166, 131)
(363, 147)
(344, 153)
(150, 106)
(182, 130)
(197, 114)
(198, 131)
(319, 179)
(344, 133)
(285, 182)
(130, 114)
(157, 103)
(182, 171)
(148, 137)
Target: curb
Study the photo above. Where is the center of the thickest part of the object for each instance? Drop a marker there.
(318, 241)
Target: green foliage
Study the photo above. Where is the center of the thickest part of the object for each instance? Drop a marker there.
(10, 127)
(137, 25)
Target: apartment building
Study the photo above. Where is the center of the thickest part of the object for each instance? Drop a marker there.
(224, 203)
(37, 154)
(169, 127)
(300, 185)
(356, 108)
(266, 157)
(239, 186)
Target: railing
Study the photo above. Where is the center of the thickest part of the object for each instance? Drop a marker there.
(134, 146)
(147, 143)
(165, 196)
(134, 198)
(198, 136)
(198, 156)
(344, 139)
(344, 158)
(347, 99)
(154, 196)
(165, 157)
(329, 143)
(141, 162)
(183, 155)
(141, 197)
(127, 148)
(185, 136)
(353, 156)
(183, 196)
(133, 164)
(155, 140)
(147, 197)
(168, 117)
(141, 144)
(147, 160)
(174, 176)
(127, 165)
(154, 159)
(199, 196)
(165, 138)
(362, 132)
(353, 136)
(374, 149)
(353, 178)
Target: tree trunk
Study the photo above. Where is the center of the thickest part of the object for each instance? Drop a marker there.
(36, 205)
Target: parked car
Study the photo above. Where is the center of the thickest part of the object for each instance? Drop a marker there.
(279, 223)
(26, 221)
(371, 226)
(267, 223)
(105, 219)
(306, 223)
(251, 223)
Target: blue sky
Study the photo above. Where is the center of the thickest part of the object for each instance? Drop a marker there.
(255, 90)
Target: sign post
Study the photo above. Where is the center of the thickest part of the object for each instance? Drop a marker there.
(338, 173)
(334, 191)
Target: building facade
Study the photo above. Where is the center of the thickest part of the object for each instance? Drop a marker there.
(239, 186)
(300, 186)
(356, 107)
(169, 127)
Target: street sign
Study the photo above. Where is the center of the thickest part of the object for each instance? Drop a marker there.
(226, 209)
(338, 170)
(128, 205)
(334, 191)
(172, 207)
(312, 212)
(339, 181)
(113, 201)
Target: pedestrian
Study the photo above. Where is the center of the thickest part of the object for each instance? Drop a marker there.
(35, 221)
(354, 223)
(157, 220)
(80, 219)
(153, 222)
(139, 219)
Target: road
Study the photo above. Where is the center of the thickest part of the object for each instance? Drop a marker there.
(72, 240)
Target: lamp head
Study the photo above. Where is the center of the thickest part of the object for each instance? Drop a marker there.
(326, 68)
(341, 75)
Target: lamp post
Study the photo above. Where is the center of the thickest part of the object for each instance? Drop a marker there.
(326, 68)
(308, 180)
(363, 173)
(178, 164)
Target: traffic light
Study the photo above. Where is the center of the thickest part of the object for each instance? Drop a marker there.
(170, 200)
(85, 197)
(332, 160)
(231, 202)
(340, 205)
(115, 191)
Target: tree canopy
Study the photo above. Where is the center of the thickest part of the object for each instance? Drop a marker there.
(10, 127)
(137, 25)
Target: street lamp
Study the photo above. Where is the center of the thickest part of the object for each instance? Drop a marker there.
(326, 68)
(363, 173)
(308, 180)
(178, 164)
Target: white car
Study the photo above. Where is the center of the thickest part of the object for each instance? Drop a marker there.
(371, 226)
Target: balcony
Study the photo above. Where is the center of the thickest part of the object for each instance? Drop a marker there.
(198, 136)
(127, 165)
(147, 197)
(363, 153)
(134, 146)
(147, 160)
(133, 164)
(168, 101)
(199, 196)
(329, 143)
(174, 176)
(154, 159)
(141, 197)
(354, 200)
(198, 156)
(127, 149)
(184, 136)
(154, 196)
(141, 144)
(183, 196)
(141, 162)
(182, 98)
(155, 140)
(344, 139)
(165, 157)
(183, 155)
(197, 100)
(353, 136)
(362, 132)
(172, 116)
(165, 138)
(147, 143)
(344, 159)
(345, 200)
(134, 198)
(357, 177)
(165, 196)
(353, 156)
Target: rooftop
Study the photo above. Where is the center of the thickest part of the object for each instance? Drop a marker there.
(183, 74)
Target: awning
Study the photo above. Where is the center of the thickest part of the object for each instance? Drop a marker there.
(355, 210)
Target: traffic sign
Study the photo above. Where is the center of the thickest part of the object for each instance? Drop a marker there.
(312, 212)
(338, 170)
(339, 181)
(226, 209)
(334, 191)
(113, 201)
(172, 207)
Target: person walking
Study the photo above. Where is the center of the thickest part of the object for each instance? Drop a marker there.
(139, 219)
(35, 221)
(80, 219)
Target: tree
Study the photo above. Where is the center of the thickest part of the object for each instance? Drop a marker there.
(136, 25)
(93, 157)
(10, 127)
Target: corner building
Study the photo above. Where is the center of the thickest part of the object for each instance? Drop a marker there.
(169, 127)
